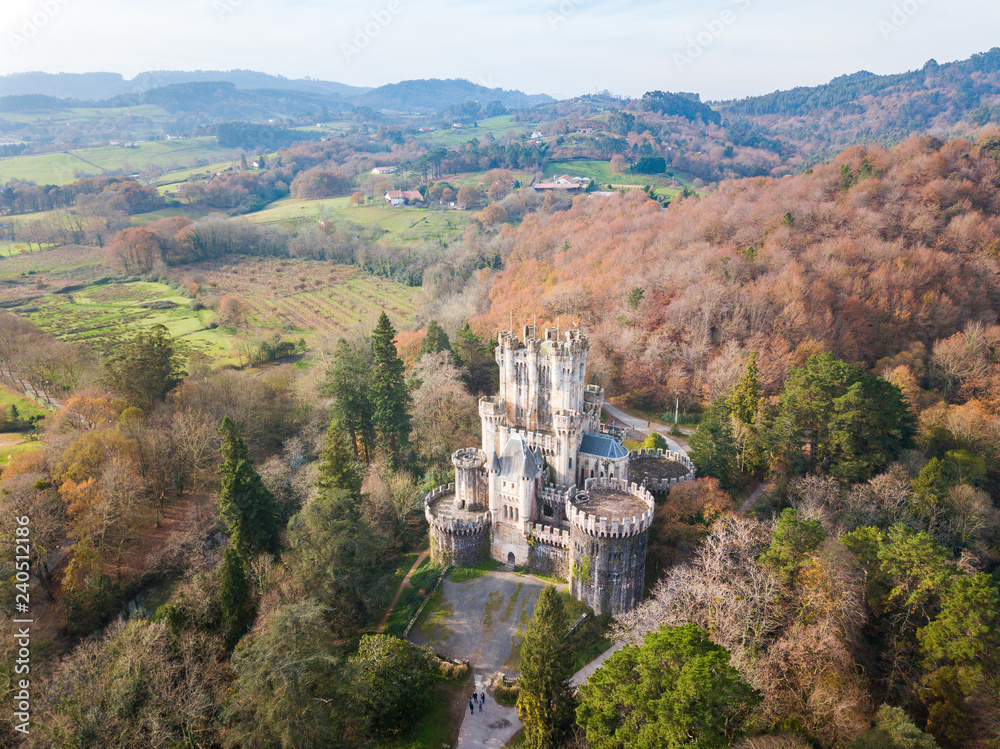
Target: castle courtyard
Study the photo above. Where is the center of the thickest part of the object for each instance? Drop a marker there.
(480, 621)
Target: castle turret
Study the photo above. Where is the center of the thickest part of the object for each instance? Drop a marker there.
(470, 479)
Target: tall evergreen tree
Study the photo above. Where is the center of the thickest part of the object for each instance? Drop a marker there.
(713, 448)
(248, 507)
(745, 399)
(144, 369)
(234, 597)
(545, 701)
(337, 468)
(390, 399)
(348, 380)
(435, 340)
(482, 375)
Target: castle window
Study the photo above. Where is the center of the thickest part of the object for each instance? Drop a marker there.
(570, 462)
(515, 514)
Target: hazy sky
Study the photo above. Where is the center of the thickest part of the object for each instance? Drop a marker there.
(721, 48)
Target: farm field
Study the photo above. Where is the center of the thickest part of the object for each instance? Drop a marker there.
(296, 298)
(66, 263)
(406, 223)
(498, 126)
(308, 296)
(62, 168)
(601, 172)
(88, 114)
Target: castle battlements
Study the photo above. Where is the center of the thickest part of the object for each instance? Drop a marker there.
(447, 523)
(665, 455)
(601, 520)
(550, 535)
(469, 458)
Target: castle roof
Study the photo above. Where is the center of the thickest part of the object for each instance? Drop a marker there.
(602, 446)
(517, 460)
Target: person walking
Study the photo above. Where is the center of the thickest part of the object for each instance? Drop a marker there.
(482, 699)
(472, 709)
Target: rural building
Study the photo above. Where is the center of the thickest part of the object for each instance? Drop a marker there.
(384, 170)
(396, 198)
(564, 182)
(549, 489)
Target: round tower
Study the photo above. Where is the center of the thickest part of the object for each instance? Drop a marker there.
(470, 479)
(609, 528)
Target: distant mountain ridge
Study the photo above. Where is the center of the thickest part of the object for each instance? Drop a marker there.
(421, 96)
(100, 86)
(436, 94)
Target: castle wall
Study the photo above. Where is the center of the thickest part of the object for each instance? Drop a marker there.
(549, 560)
(460, 549)
(510, 538)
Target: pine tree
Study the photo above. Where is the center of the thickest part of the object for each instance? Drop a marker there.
(337, 468)
(248, 507)
(745, 399)
(348, 380)
(435, 340)
(389, 397)
(545, 701)
(234, 597)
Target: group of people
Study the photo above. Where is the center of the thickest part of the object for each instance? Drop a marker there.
(477, 699)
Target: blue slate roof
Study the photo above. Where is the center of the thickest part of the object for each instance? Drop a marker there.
(518, 461)
(602, 446)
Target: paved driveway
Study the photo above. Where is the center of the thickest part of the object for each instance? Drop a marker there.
(479, 621)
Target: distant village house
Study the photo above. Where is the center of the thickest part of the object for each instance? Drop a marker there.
(396, 198)
(563, 182)
(384, 170)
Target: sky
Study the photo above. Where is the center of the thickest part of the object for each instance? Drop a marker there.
(720, 49)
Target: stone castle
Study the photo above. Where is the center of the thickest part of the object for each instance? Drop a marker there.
(549, 490)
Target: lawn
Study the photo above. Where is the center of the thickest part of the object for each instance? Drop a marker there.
(26, 407)
(464, 574)
(12, 445)
(421, 583)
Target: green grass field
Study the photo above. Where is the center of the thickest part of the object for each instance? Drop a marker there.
(26, 407)
(75, 262)
(62, 168)
(407, 223)
(498, 126)
(298, 298)
(103, 315)
(601, 172)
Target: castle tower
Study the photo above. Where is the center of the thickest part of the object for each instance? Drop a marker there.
(470, 479)
(544, 397)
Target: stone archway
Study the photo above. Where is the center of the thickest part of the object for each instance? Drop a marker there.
(510, 558)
